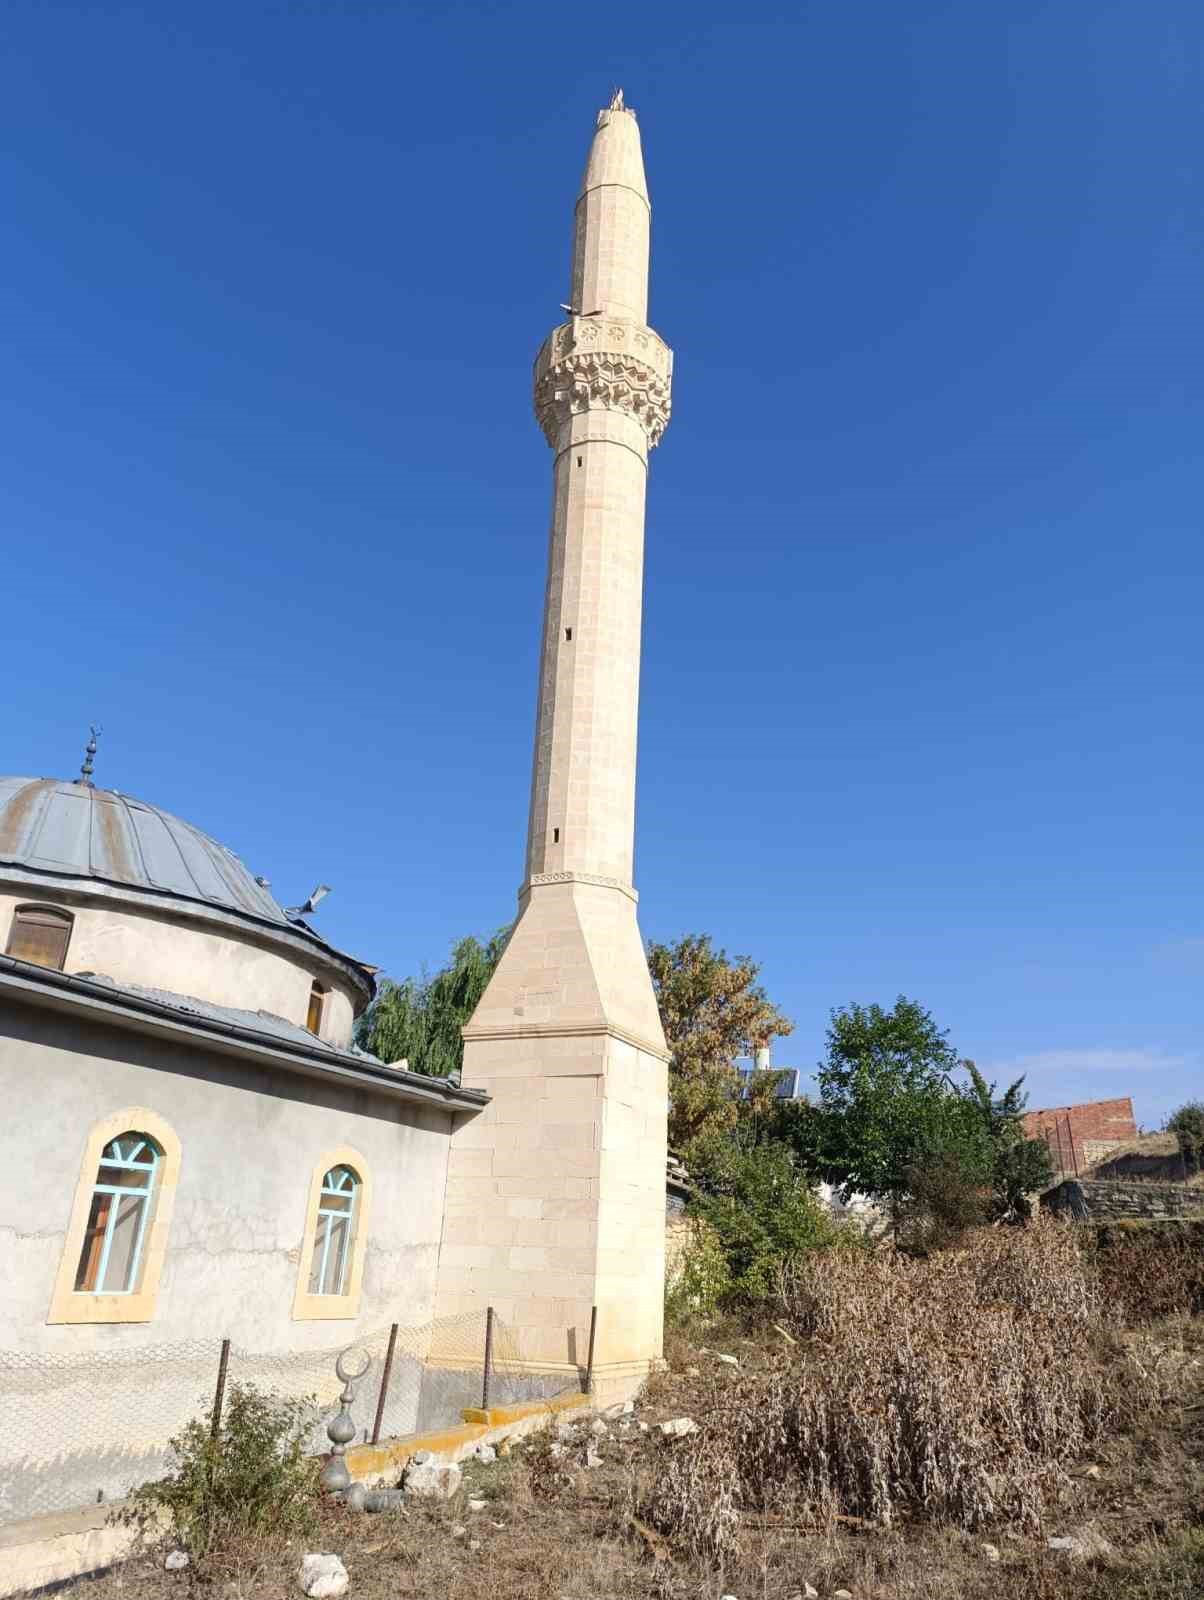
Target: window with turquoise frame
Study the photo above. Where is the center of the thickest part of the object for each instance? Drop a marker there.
(123, 1197)
(329, 1271)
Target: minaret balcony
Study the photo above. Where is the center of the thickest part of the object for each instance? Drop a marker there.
(599, 363)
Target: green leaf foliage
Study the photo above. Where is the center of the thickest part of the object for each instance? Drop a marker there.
(1020, 1166)
(1187, 1124)
(762, 1209)
(251, 1487)
(419, 1019)
(888, 1103)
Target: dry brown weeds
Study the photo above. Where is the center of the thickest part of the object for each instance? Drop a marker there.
(957, 1388)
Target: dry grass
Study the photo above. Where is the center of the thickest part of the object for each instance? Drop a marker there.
(1148, 1271)
(952, 1391)
(957, 1389)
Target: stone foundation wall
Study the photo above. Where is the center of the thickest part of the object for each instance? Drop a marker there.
(1085, 1200)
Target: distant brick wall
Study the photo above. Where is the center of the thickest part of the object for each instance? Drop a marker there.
(1078, 1135)
(1097, 1201)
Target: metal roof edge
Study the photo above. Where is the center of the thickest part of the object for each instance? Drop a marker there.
(62, 991)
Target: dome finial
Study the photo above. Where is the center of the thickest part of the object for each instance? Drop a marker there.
(85, 772)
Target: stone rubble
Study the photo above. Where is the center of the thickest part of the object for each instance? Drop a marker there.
(486, 1454)
(384, 1500)
(175, 1561)
(323, 1577)
(431, 1481)
(679, 1427)
(990, 1552)
(728, 1361)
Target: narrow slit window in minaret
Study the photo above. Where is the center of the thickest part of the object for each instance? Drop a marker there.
(578, 460)
(568, 633)
(555, 835)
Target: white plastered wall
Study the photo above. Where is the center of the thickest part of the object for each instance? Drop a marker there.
(155, 950)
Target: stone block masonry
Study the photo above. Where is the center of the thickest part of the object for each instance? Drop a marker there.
(556, 1192)
(1085, 1200)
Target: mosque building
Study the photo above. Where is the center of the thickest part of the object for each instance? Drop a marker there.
(195, 1146)
(197, 1139)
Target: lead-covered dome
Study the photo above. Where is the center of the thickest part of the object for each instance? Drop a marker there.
(129, 872)
(74, 830)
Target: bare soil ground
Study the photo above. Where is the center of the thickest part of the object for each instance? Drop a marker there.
(554, 1528)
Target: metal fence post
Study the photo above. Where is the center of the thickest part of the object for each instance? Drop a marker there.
(488, 1372)
(589, 1360)
(384, 1384)
(220, 1395)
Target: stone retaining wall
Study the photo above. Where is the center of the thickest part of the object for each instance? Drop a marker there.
(1099, 1201)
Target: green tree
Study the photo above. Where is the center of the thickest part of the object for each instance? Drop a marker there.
(419, 1019)
(888, 1103)
(1020, 1166)
(712, 1010)
(1187, 1124)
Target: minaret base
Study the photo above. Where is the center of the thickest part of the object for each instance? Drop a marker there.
(556, 1190)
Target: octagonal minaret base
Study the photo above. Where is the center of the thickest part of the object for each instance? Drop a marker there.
(556, 1192)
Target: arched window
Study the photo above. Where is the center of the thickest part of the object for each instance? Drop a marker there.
(116, 1240)
(330, 1273)
(123, 1197)
(335, 1231)
(40, 934)
(317, 1008)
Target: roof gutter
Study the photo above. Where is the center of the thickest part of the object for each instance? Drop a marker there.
(74, 996)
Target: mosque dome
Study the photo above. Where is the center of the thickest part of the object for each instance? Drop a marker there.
(73, 830)
(154, 902)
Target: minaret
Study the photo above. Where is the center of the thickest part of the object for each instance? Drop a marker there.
(556, 1193)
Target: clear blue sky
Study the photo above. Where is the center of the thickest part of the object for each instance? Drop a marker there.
(923, 658)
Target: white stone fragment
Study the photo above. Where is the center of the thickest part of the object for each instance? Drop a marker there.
(485, 1453)
(432, 1481)
(175, 1561)
(322, 1577)
(990, 1552)
(477, 1505)
(728, 1361)
(679, 1427)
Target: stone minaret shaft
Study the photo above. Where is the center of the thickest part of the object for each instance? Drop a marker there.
(602, 398)
(556, 1190)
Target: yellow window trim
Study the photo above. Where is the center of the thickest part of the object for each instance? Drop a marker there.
(334, 1307)
(66, 1304)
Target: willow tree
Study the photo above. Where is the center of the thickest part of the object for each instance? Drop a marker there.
(419, 1019)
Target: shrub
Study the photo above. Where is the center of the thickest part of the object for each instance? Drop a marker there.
(941, 1203)
(763, 1212)
(956, 1388)
(700, 1279)
(1187, 1124)
(250, 1485)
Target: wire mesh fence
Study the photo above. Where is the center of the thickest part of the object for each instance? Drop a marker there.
(84, 1429)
